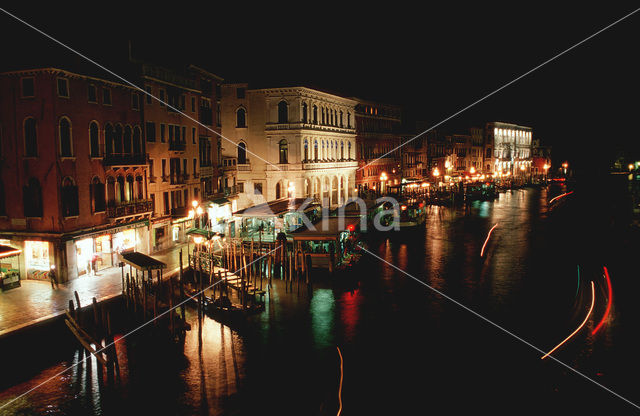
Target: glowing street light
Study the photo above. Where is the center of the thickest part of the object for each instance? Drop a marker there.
(472, 170)
(631, 166)
(436, 172)
(383, 176)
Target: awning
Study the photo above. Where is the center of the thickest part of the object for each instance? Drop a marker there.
(276, 208)
(205, 233)
(220, 201)
(142, 261)
(329, 228)
(8, 251)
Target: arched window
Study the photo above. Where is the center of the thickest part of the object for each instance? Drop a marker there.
(283, 151)
(315, 150)
(341, 150)
(323, 116)
(349, 150)
(137, 140)
(94, 139)
(111, 191)
(140, 186)
(117, 140)
(304, 112)
(129, 194)
(242, 153)
(241, 118)
(32, 199)
(315, 114)
(348, 120)
(109, 136)
(306, 150)
(69, 198)
(341, 124)
(278, 191)
(30, 138)
(127, 140)
(283, 112)
(120, 196)
(97, 195)
(64, 131)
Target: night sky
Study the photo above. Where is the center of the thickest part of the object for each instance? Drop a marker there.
(433, 62)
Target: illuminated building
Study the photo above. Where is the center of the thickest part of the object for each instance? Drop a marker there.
(377, 133)
(74, 187)
(289, 143)
(510, 148)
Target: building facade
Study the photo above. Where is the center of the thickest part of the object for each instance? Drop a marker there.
(511, 149)
(289, 143)
(73, 171)
(377, 135)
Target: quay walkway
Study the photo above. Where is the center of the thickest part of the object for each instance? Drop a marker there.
(35, 301)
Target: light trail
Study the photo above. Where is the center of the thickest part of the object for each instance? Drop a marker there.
(487, 240)
(593, 300)
(606, 312)
(560, 196)
(341, 377)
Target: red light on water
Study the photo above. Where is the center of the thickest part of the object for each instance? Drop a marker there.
(351, 228)
(608, 310)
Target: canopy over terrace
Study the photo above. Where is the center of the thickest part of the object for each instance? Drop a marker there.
(270, 218)
(329, 241)
(141, 262)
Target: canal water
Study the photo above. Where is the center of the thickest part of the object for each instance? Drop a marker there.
(405, 348)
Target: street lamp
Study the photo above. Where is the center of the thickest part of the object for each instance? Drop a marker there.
(472, 170)
(291, 189)
(383, 179)
(565, 165)
(436, 172)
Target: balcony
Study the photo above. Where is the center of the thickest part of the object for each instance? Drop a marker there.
(177, 146)
(309, 165)
(180, 211)
(124, 159)
(309, 126)
(128, 209)
(176, 179)
(246, 167)
(230, 191)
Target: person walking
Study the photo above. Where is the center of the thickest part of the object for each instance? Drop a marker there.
(53, 278)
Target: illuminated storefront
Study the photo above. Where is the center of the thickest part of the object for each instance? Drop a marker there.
(37, 259)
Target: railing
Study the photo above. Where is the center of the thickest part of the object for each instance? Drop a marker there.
(308, 126)
(177, 179)
(330, 165)
(129, 208)
(244, 167)
(177, 146)
(179, 211)
(113, 159)
(152, 179)
(230, 191)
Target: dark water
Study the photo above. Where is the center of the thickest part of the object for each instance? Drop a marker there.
(406, 349)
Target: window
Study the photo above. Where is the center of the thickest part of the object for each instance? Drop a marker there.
(257, 189)
(182, 102)
(306, 150)
(32, 199)
(193, 104)
(315, 114)
(193, 135)
(283, 151)
(315, 150)
(283, 112)
(184, 134)
(28, 89)
(127, 140)
(242, 153)
(348, 120)
(349, 150)
(137, 141)
(106, 96)
(30, 138)
(94, 140)
(135, 101)
(195, 162)
(161, 98)
(149, 95)
(240, 93)
(92, 94)
(98, 203)
(241, 118)
(164, 170)
(63, 87)
(117, 140)
(152, 178)
(240, 187)
(151, 131)
(64, 131)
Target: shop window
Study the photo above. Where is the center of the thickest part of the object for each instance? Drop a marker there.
(30, 138)
(69, 198)
(32, 199)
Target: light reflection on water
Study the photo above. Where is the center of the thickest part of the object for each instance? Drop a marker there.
(389, 328)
